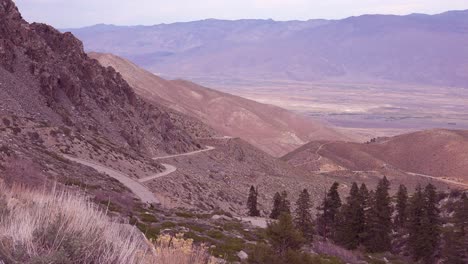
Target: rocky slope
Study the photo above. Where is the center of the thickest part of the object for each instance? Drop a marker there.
(47, 76)
(56, 101)
(438, 153)
(417, 48)
(267, 127)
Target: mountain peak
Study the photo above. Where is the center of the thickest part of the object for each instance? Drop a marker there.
(8, 10)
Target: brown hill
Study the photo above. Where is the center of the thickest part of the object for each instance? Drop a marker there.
(272, 129)
(437, 153)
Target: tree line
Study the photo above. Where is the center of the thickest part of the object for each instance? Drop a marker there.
(372, 221)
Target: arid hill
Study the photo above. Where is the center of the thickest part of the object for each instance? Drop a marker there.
(272, 129)
(416, 48)
(58, 103)
(47, 76)
(437, 153)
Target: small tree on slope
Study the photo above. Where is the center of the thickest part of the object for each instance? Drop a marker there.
(252, 202)
(303, 215)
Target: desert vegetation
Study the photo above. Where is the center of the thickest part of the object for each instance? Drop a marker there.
(58, 226)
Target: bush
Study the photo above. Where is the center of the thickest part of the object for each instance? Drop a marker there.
(62, 227)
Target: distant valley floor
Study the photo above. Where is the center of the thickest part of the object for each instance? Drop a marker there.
(362, 110)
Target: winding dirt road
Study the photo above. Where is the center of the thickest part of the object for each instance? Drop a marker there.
(438, 179)
(136, 186)
(316, 153)
(208, 148)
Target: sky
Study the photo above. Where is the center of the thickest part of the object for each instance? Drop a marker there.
(79, 13)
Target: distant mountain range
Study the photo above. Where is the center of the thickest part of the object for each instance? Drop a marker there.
(416, 49)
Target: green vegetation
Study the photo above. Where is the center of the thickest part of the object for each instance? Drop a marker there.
(252, 202)
(280, 205)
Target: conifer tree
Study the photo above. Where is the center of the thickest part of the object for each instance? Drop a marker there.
(276, 211)
(424, 224)
(461, 215)
(303, 215)
(283, 235)
(380, 219)
(252, 202)
(285, 204)
(461, 224)
(431, 223)
(401, 207)
(351, 220)
(454, 251)
(328, 211)
(415, 220)
(281, 204)
(365, 197)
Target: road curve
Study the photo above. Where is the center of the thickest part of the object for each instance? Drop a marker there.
(438, 179)
(168, 170)
(137, 188)
(208, 148)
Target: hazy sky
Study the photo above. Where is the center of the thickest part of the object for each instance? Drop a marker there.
(78, 13)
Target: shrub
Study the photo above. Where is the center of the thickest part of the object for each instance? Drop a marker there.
(177, 250)
(63, 227)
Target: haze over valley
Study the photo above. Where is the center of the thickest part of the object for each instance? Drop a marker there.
(365, 72)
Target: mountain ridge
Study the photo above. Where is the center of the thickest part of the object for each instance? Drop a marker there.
(411, 49)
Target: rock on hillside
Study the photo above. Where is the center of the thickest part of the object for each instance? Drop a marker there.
(46, 75)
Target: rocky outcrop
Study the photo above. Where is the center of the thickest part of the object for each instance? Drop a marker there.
(47, 75)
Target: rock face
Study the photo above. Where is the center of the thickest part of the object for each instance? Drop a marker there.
(46, 75)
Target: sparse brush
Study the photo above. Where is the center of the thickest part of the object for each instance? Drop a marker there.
(177, 250)
(58, 226)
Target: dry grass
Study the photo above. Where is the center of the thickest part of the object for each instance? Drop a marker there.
(330, 249)
(177, 250)
(63, 227)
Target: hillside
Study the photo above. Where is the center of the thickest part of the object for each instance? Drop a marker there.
(438, 153)
(267, 127)
(412, 49)
(46, 76)
(67, 120)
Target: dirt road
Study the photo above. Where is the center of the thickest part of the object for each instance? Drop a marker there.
(137, 188)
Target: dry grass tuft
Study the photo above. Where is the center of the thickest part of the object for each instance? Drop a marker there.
(63, 227)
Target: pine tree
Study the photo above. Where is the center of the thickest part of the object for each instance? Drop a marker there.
(424, 224)
(276, 211)
(328, 211)
(351, 220)
(456, 240)
(281, 204)
(401, 208)
(285, 204)
(283, 235)
(380, 219)
(461, 215)
(365, 201)
(303, 215)
(252, 202)
(454, 251)
(431, 223)
(415, 220)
